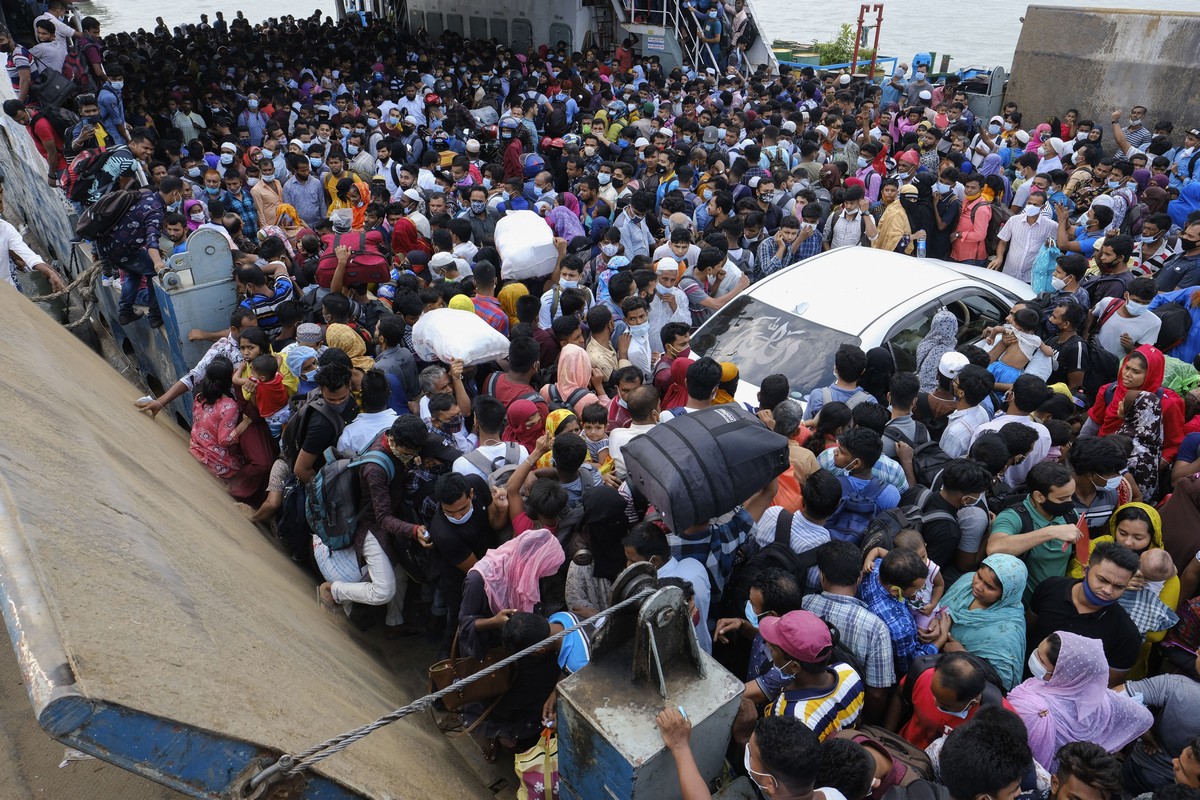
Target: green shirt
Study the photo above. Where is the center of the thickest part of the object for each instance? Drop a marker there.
(1046, 560)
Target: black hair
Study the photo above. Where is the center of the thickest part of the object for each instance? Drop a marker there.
(564, 327)
(569, 451)
(904, 390)
(217, 381)
(1096, 455)
(1092, 765)
(703, 378)
(871, 416)
(976, 383)
(689, 591)
(1060, 432)
(523, 353)
(523, 629)
(966, 476)
(1072, 313)
(547, 499)
(450, 487)
(781, 591)
(846, 766)
(981, 757)
(832, 417)
(648, 541)
(991, 451)
(1118, 554)
(1046, 476)
(790, 751)
(440, 402)
(594, 414)
(408, 431)
(864, 444)
(375, 391)
(961, 674)
(822, 492)
(1029, 392)
(840, 562)
(901, 567)
(1018, 437)
(849, 361)
(490, 414)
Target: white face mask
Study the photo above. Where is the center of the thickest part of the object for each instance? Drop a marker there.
(1036, 668)
(1032, 211)
(464, 519)
(1058, 283)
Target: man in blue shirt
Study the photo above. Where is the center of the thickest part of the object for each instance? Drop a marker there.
(112, 107)
(1091, 227)
(849, 363)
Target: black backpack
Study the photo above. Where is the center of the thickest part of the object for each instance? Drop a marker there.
(777, 554)
(63, 120)
(882, 530)
(557, 401)
(928, 461)
(297, 426)
(103, 215)
(1176, 324)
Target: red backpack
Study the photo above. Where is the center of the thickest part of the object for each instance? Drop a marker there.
(76, 180)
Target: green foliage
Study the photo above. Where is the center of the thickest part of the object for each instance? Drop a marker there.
(841, 49)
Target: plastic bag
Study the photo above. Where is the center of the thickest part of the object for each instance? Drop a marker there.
(526, 246)
(445, 334)
(534, 765)
(1043, 268)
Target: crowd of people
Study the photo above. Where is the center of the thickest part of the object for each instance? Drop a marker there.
(977, 579)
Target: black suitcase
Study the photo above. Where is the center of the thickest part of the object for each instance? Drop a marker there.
(704, 463)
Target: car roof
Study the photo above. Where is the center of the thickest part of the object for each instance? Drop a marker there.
(849, 288)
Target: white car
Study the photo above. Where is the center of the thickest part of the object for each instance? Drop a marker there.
(793, 321)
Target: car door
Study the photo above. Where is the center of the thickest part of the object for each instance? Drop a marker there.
(906, 335)
(976, 309)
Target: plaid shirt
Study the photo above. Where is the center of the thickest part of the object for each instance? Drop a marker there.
(488, 309)
(899, 620)
(862, 633)
(716, 548)
(886, 469)
(244, 208)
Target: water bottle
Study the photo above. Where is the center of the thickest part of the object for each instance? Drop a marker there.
(920, 248)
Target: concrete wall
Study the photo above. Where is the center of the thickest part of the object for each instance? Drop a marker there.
(1097, 60)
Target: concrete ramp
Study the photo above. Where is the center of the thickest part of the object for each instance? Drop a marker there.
(154, 626)
(1098, 59)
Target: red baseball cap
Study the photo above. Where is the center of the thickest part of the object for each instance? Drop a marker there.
(800, 634)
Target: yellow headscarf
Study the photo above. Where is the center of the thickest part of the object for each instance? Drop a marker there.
(345, 339)
(729, 372)
(461, 302)
(1075, 569)
(508, 298)
(553, 420)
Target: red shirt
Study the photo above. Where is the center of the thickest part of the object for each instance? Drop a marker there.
(928, 721)
(41, 129)
(509, 392)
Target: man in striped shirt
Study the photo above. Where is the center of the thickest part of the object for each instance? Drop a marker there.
(824, 695)
(263, 295)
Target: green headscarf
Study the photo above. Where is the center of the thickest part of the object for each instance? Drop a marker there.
(995, 633)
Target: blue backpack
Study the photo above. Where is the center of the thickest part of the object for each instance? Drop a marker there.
(331, 501)
(855, 511)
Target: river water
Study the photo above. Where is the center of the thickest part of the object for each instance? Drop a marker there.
(973, 32)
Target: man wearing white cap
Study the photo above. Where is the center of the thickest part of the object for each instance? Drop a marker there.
(670, 304)
(411, 200)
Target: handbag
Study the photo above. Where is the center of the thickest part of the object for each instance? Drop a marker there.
(537, 769)
(1043, 268)
(51, 88)
(447, 671)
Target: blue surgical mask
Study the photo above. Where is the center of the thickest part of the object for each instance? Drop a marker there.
(226, 158)
(252, 104)
(566, 284)
(118, 85)
(942, 188)
(1135, 308)
(345, 132)
(352, 149)
(193, 172)
(1093, 598)
(1111, 484)
(463, 520)
(315, 162)
(1146, 239)
(1113, 184)
(640, 331)
(310, 376)
(507, 195)
(372, 122)
(959, 714)
(994, 130)
(862, 162)
(751, 617)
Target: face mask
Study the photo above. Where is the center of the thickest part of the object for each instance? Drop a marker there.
(1146, 239)
(194, 172)
(251, 181)
(712, 14)
(608, 250)
(197, 218)
(994, 130)
(175, 206)
(661, 169)
(566, 284)
(941, 188)
(506, 195)
(1110, 485)
(311, 375)
(1137, 309)
(1058, 509)
(117, 85)
(754, 775)
(920, 76)
(352, 149)
(959, 714)
(269, 178)
(212, 190)
(603, 178)
(1036, 667)
(478, 206)
(622, 143)
(463, 520)
(862, 162)
(1114, 184)
(227, 158)
(640, 331)
(252, 104)
(1092, 597)
(315, 162)
(589, 151)
(1058, 283)
(619, 182)
(707, 194)
(372, 122)
(1188, 244)
(452, 425)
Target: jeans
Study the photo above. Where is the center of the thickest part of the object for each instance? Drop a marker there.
(136, 267)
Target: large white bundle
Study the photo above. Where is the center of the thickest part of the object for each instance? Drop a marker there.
(445, 334)
(526, 246)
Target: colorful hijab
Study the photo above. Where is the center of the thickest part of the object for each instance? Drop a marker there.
(565, 222)
(511, 572)
(188, 207)
(1141, 177)
(554, 421)
(508, 297)
(1155, 367)
(1189, 201)
(894, 225)
(1035, 139)
(343, 337)
(1144, 425)
(1076, 705)
(518, 414)
(574, 370)
(995, 633)
(941, 339)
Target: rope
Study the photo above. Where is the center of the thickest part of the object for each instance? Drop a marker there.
(292, 764)
(85, 278)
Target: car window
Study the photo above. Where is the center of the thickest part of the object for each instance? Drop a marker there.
(906, 337)
(763, 340)
(976, 312)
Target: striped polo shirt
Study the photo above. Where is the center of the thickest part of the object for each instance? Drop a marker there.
(824, 711)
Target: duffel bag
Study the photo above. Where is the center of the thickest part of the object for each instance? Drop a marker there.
(367, 264)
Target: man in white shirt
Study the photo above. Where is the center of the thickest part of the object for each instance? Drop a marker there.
(1130, 324)
(643, 404)
(1022, 237)
(1026, 396)
(852, 223)
(13, 248)
(670, 304)
(56, 11)
(489, 424)
(375, 418)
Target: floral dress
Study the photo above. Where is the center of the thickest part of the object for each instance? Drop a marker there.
(214, 441)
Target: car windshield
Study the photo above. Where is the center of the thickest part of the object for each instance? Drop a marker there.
(763, 340)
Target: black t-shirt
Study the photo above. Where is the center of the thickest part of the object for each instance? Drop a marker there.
(454, 543)
(1111, 625)
(322, 433)
(1070, 358)
(941, 535)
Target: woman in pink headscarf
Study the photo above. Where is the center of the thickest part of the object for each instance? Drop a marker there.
(564, 217)
(506, 580)
(1068, 700)
(1036, 140)
(575, 381)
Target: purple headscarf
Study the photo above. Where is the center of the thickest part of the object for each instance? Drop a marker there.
(1076, 705)
(565, 223)
(1142, 178)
